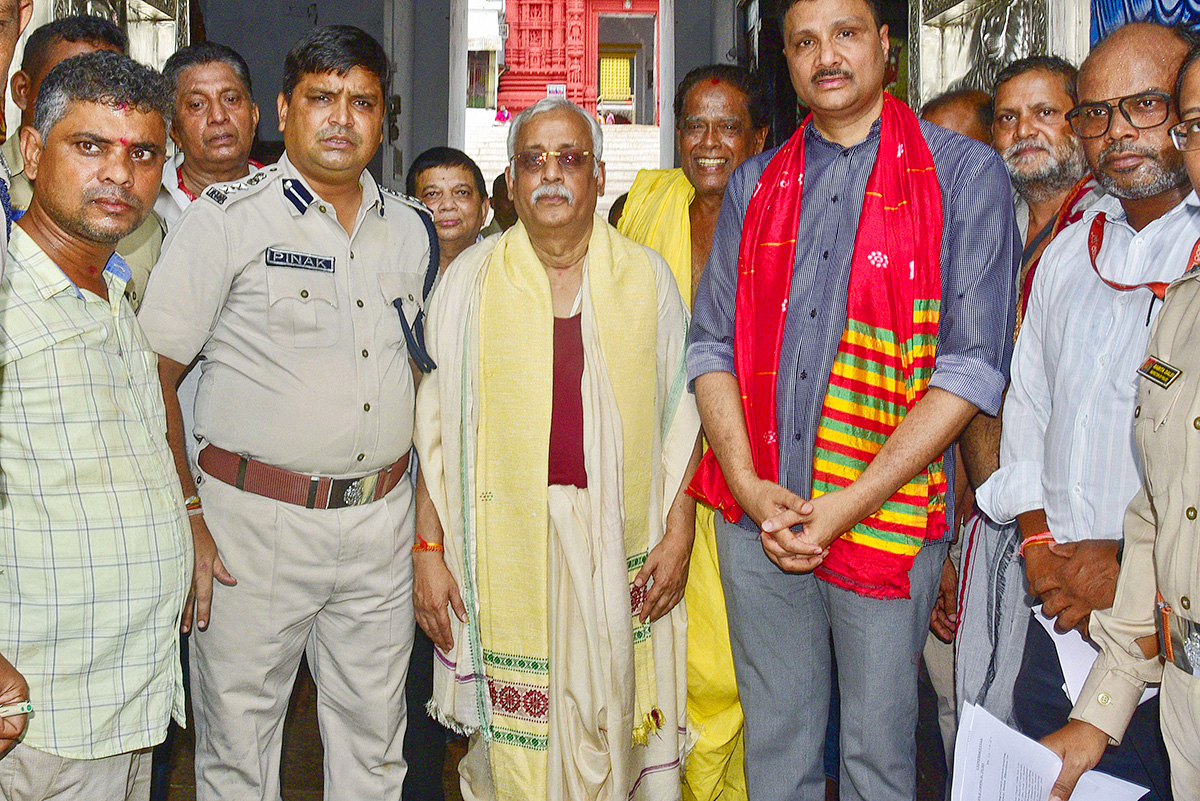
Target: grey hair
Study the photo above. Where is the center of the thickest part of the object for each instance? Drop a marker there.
(556, 103)
(105, 77)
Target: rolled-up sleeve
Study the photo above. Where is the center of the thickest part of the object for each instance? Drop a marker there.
(710, 338)
(980, 260)
(1016, 486)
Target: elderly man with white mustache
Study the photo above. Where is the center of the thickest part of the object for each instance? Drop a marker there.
(556, 439)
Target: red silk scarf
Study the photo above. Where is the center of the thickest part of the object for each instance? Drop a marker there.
(884, 360)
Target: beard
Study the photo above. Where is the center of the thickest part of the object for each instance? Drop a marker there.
(1062, 168)
(1160, 175)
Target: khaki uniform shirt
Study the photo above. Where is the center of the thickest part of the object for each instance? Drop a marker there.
(305, 364)
(1162, 533)
(140, 249)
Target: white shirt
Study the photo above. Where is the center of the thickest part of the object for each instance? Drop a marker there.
(171, 199)
(1067, 442)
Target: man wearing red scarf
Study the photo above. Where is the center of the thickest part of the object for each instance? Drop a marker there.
(855, 313)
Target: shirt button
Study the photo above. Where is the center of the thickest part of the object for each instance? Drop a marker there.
(322, 209)
(1137, 411)
(361, 456)
(365, 353)
(798, 436)
(366, 407)
(1105, 699)
(813, 313)
(360, 304)
(1185, 602)
(825, 255)
(834, 199)
(803, 375)
(304, 293)
(1196, 423)
(1191, 513)
(352, 254)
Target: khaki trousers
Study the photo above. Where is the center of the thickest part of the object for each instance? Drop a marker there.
(27, 774)
(1179, 712)
(333, 584)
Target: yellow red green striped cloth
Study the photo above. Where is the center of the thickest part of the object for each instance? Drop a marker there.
(884, 360)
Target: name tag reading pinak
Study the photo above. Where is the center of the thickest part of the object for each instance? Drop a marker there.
(1159, 372)
(300, 261)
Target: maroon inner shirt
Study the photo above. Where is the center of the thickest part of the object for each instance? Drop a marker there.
(566, 417)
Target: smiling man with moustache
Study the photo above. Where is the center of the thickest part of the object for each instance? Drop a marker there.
(830, 407)
(722, 116)
(300, 286)
(1067, 464)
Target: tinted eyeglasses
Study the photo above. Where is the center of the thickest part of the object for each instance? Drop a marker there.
(569, 160)
(1143, 110)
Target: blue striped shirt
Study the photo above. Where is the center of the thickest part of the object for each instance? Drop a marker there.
(980, 254)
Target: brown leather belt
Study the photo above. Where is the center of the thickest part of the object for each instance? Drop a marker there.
(311, 492)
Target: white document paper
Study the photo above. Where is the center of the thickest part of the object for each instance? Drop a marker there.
(1076, 657)
(994, 763)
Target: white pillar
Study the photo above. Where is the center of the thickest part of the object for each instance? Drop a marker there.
(456, 120)
(666, 83)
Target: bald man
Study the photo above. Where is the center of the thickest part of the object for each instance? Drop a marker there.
(964, 111)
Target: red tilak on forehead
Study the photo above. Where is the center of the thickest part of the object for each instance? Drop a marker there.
(124, 142)
(714, 81)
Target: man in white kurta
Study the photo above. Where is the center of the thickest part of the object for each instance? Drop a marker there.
(555, 532)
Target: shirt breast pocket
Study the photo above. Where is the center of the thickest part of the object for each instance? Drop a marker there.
(303, 307)
(1153, 411)
(407, 288)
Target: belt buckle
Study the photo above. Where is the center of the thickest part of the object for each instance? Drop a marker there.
(360, 490)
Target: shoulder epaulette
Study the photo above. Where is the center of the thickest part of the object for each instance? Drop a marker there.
(431, 272)
(226, 193)
(407, 200)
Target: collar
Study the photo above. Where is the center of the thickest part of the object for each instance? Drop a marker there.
(816, 136)
(1114, 212)
(49, 279)
(300, 195)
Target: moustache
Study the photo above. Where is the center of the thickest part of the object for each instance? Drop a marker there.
(831, 72)
(553, 190)
(1117, 148)
(116, 193)
(339, 131)
(1011, 151)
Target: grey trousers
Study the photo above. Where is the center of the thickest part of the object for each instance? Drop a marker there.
(30, 775)
(780, 626)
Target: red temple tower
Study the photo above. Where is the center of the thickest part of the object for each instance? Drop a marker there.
(556, 46)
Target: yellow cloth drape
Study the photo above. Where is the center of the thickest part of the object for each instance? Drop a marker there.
(656, 214)
(639, 429)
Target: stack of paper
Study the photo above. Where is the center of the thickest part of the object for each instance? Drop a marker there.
(994, 763)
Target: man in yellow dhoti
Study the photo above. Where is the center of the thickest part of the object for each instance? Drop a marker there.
(722, 119)
(556, 438)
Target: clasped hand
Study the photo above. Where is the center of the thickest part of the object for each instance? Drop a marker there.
(779, 512)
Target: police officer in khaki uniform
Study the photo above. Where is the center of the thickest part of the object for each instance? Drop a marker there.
(301, 286)
(1152, 632)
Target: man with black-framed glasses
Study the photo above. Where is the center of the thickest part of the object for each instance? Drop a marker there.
(1067, 465)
